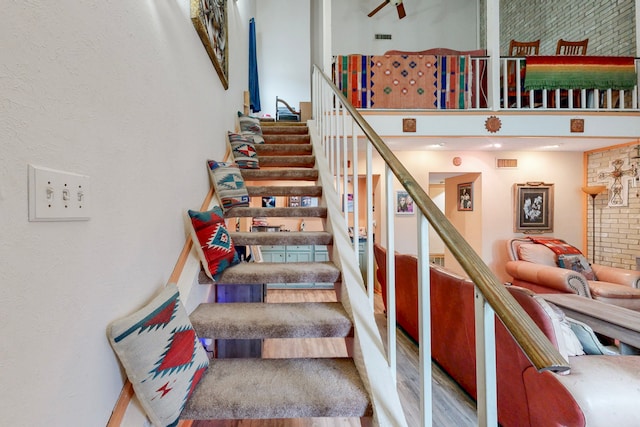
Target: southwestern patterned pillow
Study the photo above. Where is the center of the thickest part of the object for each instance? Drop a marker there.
(212, 241)
(161, 355)
(243, 150)
(577, 263)
(250, 127)
(228, 183)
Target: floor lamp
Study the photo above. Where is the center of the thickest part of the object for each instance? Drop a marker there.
(593, 191)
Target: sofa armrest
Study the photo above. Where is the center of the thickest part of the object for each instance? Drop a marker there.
(559, 279)
(606, 388)
(620, 276)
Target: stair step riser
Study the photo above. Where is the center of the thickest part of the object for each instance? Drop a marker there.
(285, 130)
(286, 139)
(283, 149)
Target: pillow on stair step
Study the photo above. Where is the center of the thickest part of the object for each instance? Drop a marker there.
(250, 127)
(161, 355)
(243, 150)
(212, 241)
(229, 184)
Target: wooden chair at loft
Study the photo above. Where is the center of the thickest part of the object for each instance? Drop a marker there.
(569, 48)
(577, 48)
(518, 48)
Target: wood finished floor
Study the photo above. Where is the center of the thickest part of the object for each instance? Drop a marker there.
(451, 406)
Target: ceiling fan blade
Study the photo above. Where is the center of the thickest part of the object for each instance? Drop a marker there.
(377, 9)
(401, 12)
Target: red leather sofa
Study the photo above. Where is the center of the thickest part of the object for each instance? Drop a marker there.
(598, 391)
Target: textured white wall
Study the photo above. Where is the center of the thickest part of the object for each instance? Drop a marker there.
(125, 93)
(428, 24)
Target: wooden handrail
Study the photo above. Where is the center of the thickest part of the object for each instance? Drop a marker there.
(542, 354)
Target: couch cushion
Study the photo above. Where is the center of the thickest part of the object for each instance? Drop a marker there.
(567, 341)
(161, 355)
(537, 254)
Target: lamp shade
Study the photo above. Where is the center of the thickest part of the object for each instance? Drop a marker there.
(594, 190)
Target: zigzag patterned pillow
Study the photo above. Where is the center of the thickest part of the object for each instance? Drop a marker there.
(161, 355)
(228, 183)
(250, 127)
(213, 242)
(243, 150)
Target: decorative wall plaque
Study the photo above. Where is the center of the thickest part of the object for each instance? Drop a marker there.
(408, 125)
(577, 125)
(493, 124)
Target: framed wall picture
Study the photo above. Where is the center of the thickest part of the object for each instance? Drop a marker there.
(209, 17)
(404, 203)
(294, 201)
(308, 201)
(465, 196)
(533, 210)
(269, 202)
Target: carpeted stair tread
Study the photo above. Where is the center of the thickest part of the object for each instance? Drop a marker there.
(286, 139)
(283, 149)
(288, 161)
(282, 174)
(300, 129)
(301, 212)
(278, 388)
(253, 320)
(284, 238)
(278, 190)
(276, 272)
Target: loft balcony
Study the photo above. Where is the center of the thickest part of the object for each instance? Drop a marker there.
(459, 96)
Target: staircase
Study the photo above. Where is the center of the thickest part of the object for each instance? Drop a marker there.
(256, 388)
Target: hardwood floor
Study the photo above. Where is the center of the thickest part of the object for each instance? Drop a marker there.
(451, 406)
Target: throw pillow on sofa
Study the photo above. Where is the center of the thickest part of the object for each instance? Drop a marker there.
(577, 263)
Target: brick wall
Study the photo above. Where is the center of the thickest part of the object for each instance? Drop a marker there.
(617, 229)
(609, 24)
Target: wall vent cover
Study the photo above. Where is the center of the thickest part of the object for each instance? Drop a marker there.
(507, 163)
(383, 36)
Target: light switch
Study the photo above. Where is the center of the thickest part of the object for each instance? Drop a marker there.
(57, 195)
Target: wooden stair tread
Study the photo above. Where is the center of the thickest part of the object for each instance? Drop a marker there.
(278, 388)
(271, 320)
(279, 190)
(279, 174)
(276, 272)
(301, 212)
(284, 238)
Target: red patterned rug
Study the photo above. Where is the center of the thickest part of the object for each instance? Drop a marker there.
(403, 81)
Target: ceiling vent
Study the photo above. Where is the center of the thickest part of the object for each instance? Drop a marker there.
(383, 36)
(506, 163)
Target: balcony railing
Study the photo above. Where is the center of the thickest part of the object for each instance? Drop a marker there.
(359, 83)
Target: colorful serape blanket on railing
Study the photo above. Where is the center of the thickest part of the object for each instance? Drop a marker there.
(405, 81)
(580, 72)
(352, 78)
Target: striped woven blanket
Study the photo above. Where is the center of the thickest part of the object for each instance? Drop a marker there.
(580, 72)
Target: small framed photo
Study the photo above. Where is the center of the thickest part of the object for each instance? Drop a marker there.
(533, 208)
(294, 201)
(465, 196)
(308, 201)
(269, 202)
(404, 203)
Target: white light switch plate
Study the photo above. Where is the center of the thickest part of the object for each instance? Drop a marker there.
(58, 196)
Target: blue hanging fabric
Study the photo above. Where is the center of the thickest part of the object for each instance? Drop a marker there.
(254, 88)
